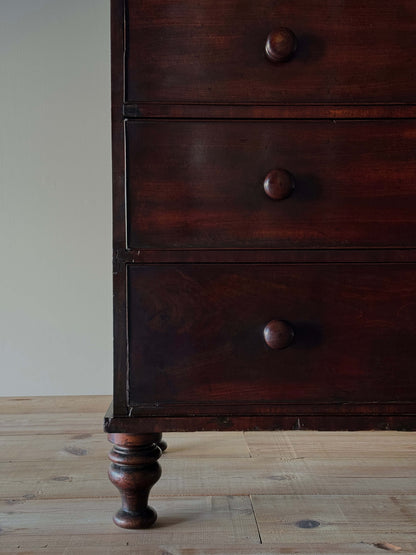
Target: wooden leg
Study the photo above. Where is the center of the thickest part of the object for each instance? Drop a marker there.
(134, 470)
(162, 443)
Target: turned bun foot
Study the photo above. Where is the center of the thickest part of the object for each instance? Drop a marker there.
(135, 521)
(134, 471)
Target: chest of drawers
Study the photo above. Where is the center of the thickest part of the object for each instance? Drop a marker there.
(264, 222)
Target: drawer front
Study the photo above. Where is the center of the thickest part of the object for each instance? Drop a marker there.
(354, 184)
(215, 51)
(196, 333)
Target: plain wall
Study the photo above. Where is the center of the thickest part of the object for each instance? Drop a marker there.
(55, 197)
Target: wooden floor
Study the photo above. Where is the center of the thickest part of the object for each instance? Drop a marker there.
(220, 493)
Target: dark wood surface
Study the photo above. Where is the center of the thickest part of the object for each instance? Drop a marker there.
(376, 420)
(196, 333)
(146, 110)
(181, 51)
(264, 203)
(209, 190)
(173, 256)
(118, 207)
(354, 61)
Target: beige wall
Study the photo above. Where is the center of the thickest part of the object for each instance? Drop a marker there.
(55, 197)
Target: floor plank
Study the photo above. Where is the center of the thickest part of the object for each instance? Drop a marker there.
(289, 445)
(52, 423)
(77, 477)
(194, 520)
(55, 404)
(47, 447)
(55, 496)
(335, 519)
(122, 547)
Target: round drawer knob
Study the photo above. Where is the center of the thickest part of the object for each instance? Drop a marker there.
(279, 184)
(278, 334)
(281, 45)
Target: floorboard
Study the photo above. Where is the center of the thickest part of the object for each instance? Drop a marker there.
(370, 519)
(252, 493)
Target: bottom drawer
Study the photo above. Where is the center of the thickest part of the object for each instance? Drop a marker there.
(338, 333)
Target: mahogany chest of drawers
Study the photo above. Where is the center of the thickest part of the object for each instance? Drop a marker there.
(264, 179)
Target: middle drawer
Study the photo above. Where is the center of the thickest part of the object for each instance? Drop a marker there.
(271, 184)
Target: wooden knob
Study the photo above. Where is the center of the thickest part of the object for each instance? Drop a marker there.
(279, 184)
(281, 45)
(278, 334)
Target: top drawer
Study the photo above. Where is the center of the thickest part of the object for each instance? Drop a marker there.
(211, 51)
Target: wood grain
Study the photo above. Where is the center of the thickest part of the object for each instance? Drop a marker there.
(229, 519)
(365, 518)
(360, 484)
(52, 423)
(214, 52)
(81, 477)
(209, 191)
(196, 335)
(282, 111)
(43, 405)
(127, 546)
(65, 446)
(332, 445)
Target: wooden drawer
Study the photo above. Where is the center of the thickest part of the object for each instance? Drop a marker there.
(214, 51)
(209, 191)
(195, 333)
